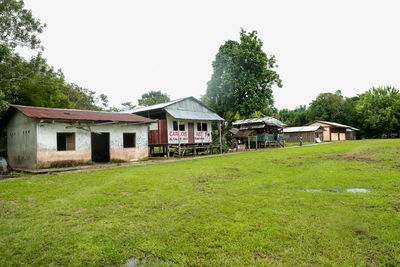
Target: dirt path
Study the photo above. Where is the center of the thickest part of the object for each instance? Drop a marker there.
(86, 168)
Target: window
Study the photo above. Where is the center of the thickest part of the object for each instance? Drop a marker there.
(65, 141)
(202, 127)
(181, 126)
(129, 140)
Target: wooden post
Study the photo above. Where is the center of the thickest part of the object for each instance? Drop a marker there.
(248, 142)
(256, 142)
(201, 131)
(220, 137)
(167, 151)
(179, 140)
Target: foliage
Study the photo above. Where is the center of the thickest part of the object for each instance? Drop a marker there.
(242, 79)
(379, 109)
(327, 107)
(33, 82)
(295, 117)
(248, 209)
(152, 98)
(17, 25)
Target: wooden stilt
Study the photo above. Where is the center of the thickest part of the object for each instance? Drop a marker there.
(220, 137)
(179, 140)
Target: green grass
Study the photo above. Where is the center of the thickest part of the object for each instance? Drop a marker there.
(240, 209)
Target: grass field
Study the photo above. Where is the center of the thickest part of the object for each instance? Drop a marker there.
(277, 207)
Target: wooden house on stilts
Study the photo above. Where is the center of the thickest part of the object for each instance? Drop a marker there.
(181, 125)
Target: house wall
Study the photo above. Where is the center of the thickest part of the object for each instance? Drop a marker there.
(199, 136)
(48, 155)
(351, 135)
(327, 130)
(306, 137)
(21, 141)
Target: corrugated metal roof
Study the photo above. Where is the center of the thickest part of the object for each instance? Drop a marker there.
(75, 114)
(336, 124)
(302, 129)
(157, 106)
(193, 115)
(266, 120)
(243, 133)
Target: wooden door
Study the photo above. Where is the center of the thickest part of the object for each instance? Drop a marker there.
(191, 132)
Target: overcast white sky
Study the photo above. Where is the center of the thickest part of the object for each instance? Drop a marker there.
(126, 48)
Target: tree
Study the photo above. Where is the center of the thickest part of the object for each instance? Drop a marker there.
(17, 25)
(127, 106)
(296, 117)
(242, 79)
(327, 107)
(379, 112)
(152, 98)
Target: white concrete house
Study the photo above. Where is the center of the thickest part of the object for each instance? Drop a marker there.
(44, 137)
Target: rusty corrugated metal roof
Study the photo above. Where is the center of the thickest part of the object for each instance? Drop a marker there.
(75, 114)
(243, 133)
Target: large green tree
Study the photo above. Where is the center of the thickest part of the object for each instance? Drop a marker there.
(243, 78)
(379, 112)
(17, 25)
(152, 98)
(33, 82)
(327, 107)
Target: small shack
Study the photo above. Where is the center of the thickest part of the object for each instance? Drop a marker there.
(335, 131)
(47, 137)
(307, 133)
(259, 132)
(181, 125)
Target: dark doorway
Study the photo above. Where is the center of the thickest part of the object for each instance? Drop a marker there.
(100, 147)
(191, 132)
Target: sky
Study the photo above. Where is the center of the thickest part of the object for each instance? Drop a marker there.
(124, 48)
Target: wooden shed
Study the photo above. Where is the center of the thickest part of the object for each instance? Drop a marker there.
(182, 124)
(259, 132)
(335, 131)
(307, 133)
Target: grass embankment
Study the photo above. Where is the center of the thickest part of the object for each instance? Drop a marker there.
(243, 209)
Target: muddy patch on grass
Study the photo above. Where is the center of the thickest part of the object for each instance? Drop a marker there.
(207, 182)
(231, 169)
(374, 155)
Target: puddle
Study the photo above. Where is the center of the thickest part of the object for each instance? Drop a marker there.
(312, 190)
(348, 190)
(132, 262)
(152, 262)
(358, 190)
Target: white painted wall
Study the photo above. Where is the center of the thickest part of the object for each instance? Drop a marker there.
(199, 136)
(47, 141)
(21, 141)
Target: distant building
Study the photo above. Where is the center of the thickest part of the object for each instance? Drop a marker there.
(307, 133)
(259, 132)
(335, 131)
(47, 137)
(181, 124)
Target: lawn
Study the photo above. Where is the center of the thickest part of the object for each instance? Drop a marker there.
(275, 207)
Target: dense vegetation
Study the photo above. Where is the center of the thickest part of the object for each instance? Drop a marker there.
(285, 207)
(376, 112)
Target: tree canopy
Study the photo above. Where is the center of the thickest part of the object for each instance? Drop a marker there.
(17, 25)
(152, 98)
(33, 81)
(242, 79)
(379, 112)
